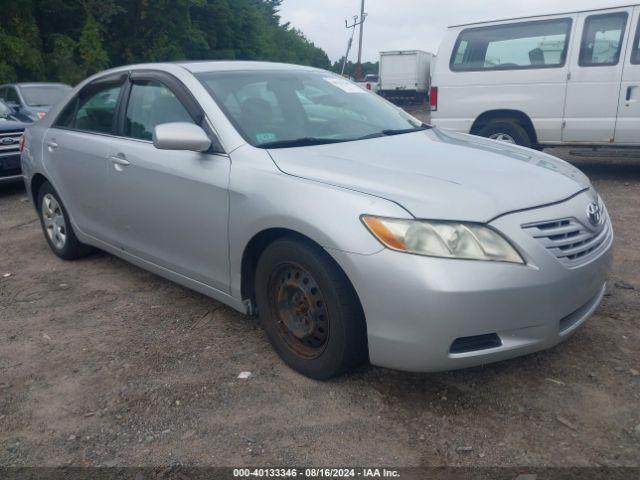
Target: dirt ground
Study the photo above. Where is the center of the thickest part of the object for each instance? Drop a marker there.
(102, 363)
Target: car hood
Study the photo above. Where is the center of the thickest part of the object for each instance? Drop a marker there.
(439, 175)
(10, 123)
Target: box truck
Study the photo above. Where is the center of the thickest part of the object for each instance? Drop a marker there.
(405, 75)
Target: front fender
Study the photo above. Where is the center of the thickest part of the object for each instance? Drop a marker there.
(262, 197)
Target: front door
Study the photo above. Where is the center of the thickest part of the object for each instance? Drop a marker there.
(169, 207)
(628, 124)
(593, 89)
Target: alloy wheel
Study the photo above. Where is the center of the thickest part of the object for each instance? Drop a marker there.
(54, 222)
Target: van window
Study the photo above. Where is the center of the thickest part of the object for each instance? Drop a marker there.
(635, 52)
(539, 44)
(602, 39)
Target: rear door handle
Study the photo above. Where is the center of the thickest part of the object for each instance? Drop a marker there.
(630, 92)
(52, 144)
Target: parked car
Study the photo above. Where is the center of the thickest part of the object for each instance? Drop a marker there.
(370, 82)
(33, 99)
(12, 125)
(354, 231)
(566, 79)
(405, 75)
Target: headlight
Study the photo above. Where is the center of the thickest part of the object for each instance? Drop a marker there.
(442, 239)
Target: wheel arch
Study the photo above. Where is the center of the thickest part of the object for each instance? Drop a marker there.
(256, 246)
(34, 187)
(506, 114)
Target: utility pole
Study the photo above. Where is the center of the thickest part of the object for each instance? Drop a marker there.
(363, 17)
(350, 42)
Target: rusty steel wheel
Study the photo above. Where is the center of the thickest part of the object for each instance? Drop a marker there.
(299, 308)
(309, 309)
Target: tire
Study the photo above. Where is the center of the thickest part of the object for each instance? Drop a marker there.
(509, 128)
(309, 309)
(56, 226)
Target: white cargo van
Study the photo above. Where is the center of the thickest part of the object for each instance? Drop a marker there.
(567, 79)
(405, 75)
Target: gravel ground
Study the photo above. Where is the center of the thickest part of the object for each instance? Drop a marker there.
(102, 363)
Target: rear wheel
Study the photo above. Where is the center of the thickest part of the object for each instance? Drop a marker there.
(309, 309)
(56, 225)
(508, 131)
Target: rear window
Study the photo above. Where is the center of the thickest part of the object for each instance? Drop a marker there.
(44, 95)
(515, 46)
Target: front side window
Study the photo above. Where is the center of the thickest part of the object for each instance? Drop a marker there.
(602, 39)
(540, 44)
(151, 104)
(635, 52)
(275, 107)
(93, 110)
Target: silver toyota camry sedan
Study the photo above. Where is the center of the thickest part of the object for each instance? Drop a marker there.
(353, 230)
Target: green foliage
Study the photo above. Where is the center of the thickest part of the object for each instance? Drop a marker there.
(68, 40)
(350, 69)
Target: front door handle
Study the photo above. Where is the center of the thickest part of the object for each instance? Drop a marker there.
(121, 161)
(52, 144)
(630, 92)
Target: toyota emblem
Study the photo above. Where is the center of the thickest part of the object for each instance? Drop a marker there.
(594, 214)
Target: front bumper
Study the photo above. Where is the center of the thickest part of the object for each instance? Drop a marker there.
(10, 169)
(416, 307)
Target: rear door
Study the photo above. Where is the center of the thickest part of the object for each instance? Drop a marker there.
(170, 207)
(595, 72)
(628, 124)
(76, 149)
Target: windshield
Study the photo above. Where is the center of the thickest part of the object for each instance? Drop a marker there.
(4, 110)
(43, 95)
(279, 109)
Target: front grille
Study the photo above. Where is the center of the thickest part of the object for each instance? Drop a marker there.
(570, 241)
(10, 143)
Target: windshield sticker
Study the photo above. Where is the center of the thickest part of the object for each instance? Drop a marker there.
(344, 85)
(266, 137)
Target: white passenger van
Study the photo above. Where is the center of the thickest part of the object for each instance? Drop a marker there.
(567, 79)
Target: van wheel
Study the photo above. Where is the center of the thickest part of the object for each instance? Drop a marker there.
(506, 131)
(309, 309)
(56, 226)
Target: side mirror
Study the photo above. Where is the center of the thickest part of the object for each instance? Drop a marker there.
(181, 136)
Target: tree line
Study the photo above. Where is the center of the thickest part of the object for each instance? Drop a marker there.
(68, 40)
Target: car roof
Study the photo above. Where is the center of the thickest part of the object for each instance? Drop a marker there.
(237, 65)
(39, 84)
(543, 15)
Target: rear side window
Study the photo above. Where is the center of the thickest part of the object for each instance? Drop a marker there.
(539, 44)
(602, 39)
(93, 110)
(151, 104)
(635, 52)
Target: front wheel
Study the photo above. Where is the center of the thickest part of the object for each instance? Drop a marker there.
(309, 309)
(507, 131)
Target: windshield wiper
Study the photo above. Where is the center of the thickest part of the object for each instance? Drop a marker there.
(301, 142)
(390, 132)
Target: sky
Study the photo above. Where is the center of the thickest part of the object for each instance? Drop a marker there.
(409, 24)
